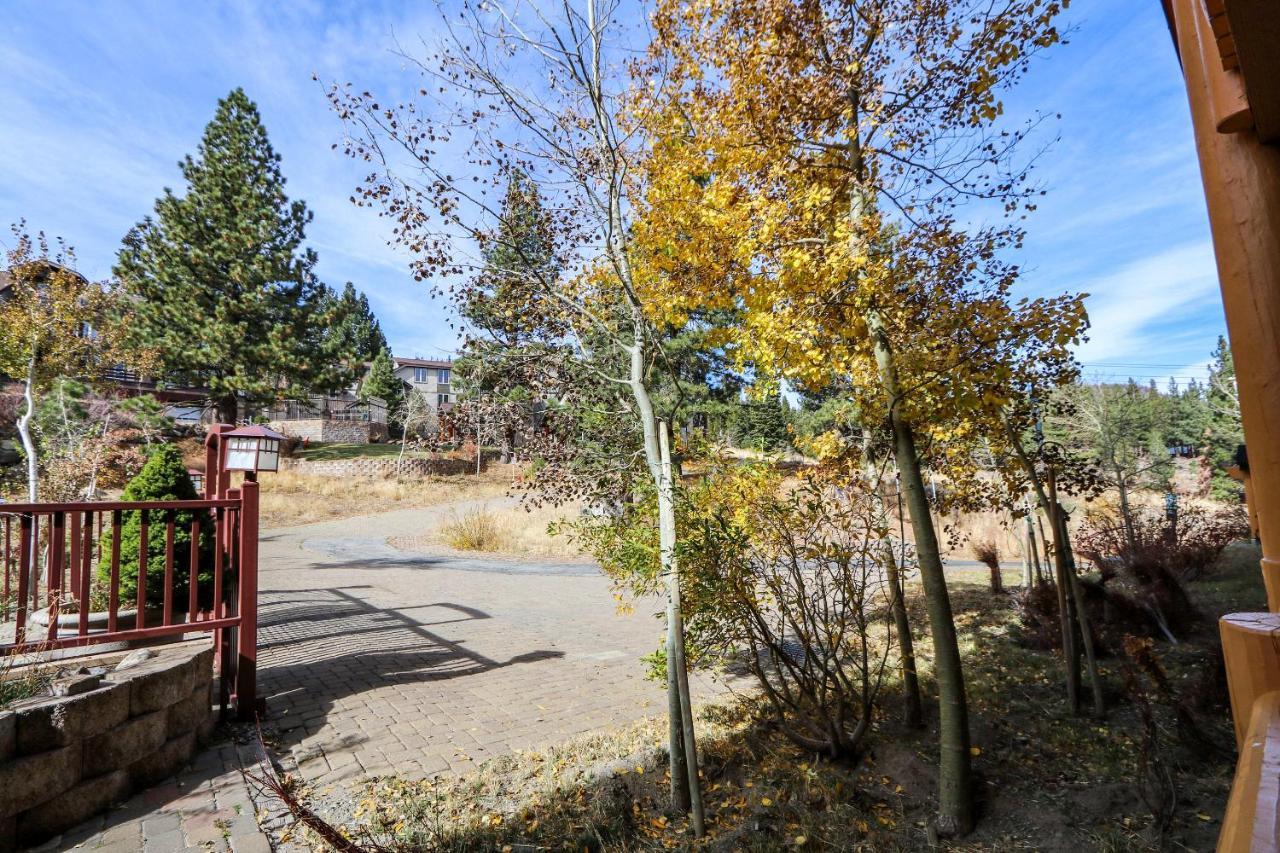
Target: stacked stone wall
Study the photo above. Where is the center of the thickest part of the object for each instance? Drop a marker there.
(65, 758)
(338, 432)
(382, 467)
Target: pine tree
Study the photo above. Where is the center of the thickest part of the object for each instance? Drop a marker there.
(765, 423)
(222, 291)
(383, 383)
(357, 331)
(509, 352)
(1225, 431)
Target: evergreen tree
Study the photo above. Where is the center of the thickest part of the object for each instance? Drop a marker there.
(765, 423)
(1225, 431)
(222, 292)
(383, 383)
(511, 352)
(163, 478)
(357, 330)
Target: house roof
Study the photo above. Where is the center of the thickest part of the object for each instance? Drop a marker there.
(1245, 34)
(421, 362)
(6, 278)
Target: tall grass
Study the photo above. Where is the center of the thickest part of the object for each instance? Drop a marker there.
(23, 676)
(473, 530)
(511, 531)
(290, 498)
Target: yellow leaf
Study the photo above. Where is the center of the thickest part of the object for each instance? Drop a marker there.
(766, 802)
(975, 750)
(800, 840)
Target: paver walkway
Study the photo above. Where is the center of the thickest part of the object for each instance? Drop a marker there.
(375, 660)
(206, 808)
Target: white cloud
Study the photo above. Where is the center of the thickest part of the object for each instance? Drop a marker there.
(1135, 310)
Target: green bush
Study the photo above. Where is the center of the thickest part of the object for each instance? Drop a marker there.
(163, 478)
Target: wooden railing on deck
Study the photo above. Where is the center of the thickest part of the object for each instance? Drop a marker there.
(64, 561)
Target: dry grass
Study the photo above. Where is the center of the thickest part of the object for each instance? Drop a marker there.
(511, 531)
(23, 676)
(290, 498)
(473, 530)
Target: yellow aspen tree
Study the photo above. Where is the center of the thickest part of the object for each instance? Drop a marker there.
(810, 161)
(507, 89)
(51, 327)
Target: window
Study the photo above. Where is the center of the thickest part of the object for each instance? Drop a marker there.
(443, 376)
(441, 399)
(420, 375)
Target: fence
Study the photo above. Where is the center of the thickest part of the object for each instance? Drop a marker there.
(370, 410)
(73, 578)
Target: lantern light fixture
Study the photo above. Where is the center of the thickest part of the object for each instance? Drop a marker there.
(197, 479)
(252, 449)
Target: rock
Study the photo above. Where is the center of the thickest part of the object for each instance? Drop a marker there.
(56, 721)
(8, 734)
(193, 714)
(164, 762)
(134, 658)
(73, 685)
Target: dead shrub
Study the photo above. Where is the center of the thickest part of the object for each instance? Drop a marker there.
(986, 551)
(1188, 547)
(1149, 562)
(1113, 615)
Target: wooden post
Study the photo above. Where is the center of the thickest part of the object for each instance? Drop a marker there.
(1241, 177)
(247, 645)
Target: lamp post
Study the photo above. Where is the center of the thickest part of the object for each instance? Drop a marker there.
(249, 449)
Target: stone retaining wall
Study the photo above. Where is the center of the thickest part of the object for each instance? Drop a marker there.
(65, 758)
(321, 429)
(380, 467)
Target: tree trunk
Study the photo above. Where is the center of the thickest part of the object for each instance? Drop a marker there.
(955, 786)
(24, 432)
(1044, 543)
(955, 783)
(228, 410)
(33, 472)
(1126, 515)
(508, 444)
(675, 660)
(1062, 542)
(684, 756)
(913, 713)
(1064, 571)
(1029, 543)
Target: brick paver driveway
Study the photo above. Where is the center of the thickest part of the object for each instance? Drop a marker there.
(375, 660)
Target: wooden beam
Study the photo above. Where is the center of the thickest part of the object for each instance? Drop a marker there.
(1255, 28)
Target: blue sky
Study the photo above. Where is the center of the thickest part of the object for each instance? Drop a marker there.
(102, 99)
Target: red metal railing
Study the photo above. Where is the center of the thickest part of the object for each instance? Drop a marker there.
(67, 570)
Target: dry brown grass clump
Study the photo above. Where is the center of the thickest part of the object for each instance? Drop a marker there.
(290, 498)
(23, 676)
(510, 531)
(473, 530)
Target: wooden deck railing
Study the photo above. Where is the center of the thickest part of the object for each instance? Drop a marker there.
(81, 574)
